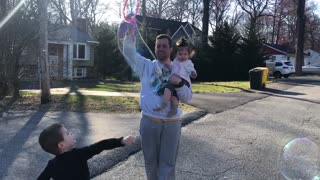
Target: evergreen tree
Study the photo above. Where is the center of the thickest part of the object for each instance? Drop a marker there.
(109, 61)
(251, 51)
(225, 44)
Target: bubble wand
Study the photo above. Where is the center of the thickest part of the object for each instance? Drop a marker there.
(130, 11)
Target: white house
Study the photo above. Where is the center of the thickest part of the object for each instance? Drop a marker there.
(70, 53)
(313, 57)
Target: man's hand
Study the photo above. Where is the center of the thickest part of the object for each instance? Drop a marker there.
(175, 79)
(168, 66)
(128, 140)
(194, 74)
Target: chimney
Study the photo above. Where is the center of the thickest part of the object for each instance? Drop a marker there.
(82, 25)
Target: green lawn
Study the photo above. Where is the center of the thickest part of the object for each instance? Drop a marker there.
(198, 87)
(31, 101)
(220, 87)
(112, 87)
(76, 103)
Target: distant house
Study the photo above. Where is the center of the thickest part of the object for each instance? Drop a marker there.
(276, 52)
(173, 28)
(313, 57)
(282, 52)
(70, 53)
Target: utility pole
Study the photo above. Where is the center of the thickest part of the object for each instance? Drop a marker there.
(43, 52)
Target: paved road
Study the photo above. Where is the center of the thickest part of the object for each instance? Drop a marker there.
(209, 148)
(244, 142)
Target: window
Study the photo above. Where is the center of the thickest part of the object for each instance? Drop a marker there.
(288, 63)
(278, 64)
(79, 51)
(79, 72)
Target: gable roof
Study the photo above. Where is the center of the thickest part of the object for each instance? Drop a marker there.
(169, 27)
(284, 48)
(67, 33)
(311, 50)
(181, 32)
(269, 49)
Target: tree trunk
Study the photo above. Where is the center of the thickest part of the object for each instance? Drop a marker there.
(205, 22)
(274, 21)
(300, 36)
(43, 54)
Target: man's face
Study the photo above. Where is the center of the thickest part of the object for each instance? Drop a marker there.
(162, 49)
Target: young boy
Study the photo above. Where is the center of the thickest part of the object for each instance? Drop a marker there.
(70, 162)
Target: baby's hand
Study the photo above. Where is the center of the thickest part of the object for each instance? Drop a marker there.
(128, 140)
(194, 74)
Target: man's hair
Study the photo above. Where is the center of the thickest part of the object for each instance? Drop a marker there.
(165, 36)
(50, 138)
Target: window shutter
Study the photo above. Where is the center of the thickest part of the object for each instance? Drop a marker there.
(87, 53)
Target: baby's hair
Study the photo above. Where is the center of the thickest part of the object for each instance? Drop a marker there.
(183, 44)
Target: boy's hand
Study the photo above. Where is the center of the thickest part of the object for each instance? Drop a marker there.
(128, 140)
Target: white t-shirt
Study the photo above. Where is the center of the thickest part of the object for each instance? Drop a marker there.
(149, 71)
(183, 69)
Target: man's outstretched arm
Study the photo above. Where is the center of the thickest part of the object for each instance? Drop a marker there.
(134, 59)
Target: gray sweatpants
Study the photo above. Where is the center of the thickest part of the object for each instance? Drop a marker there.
(160, 142)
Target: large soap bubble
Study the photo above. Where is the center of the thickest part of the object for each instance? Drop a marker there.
(129, 31)
(299, 160)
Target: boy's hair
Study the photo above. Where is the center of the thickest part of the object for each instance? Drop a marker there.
(165, 36)
(50, 138)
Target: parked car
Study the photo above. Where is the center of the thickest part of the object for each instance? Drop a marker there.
(280, 69)
(311, 69)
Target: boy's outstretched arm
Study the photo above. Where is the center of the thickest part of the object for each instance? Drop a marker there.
(45, 174)
(89, 151)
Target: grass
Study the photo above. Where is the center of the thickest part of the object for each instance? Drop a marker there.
(79, 103)
(111, 87)
(220, 87)
(31, 100)
(198, 87)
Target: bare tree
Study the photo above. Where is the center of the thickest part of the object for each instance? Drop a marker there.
(313, 31)
(218, 11)
(235, 17)
(312, 26)
(194, 12)
(16, 33)
(158, 8)
(66, 13)
(254, 8)
(178, 10)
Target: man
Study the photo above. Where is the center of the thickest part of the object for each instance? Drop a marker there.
(160, 135)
